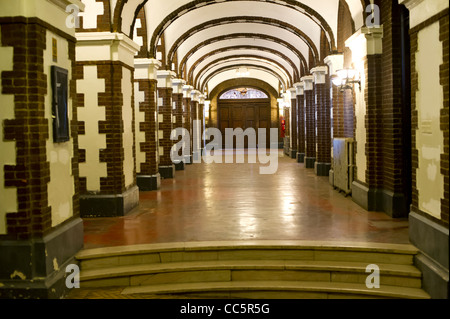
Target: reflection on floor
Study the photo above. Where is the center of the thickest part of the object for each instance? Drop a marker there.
(209, 202)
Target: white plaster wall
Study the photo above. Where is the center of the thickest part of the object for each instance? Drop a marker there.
(356, 11)
(127, 116)
(8, 196)
(61, 185)
(360, 131)
(139, 97)
(422, 10)
(92, 141)
(429, 137)
(92, 10)
(46, 10)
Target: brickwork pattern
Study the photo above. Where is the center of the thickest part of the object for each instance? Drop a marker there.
(373, 122)
(112, 99)
(294, 124)
(165, 125)
(194, 117)
(149, 127)
(393, 106)
(445, 171)
(442, 19)
(142, 32)
(29, 128)
(323, 122)
(310, 111)
(187, 118)
(301, 124)
(103, 21)
(178, 110)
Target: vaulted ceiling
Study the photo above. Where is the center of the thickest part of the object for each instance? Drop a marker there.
(205, 41)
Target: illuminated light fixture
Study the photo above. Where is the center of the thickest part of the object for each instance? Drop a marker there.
(344, 79)
(242, 72)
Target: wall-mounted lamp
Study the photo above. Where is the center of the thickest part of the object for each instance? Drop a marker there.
(344, 78)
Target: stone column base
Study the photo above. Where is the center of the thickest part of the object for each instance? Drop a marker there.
(148, 183)
(109, 205)
(300, 157)
(322, 169)
(37, 268)
(371, 199)
(167, 171)
(309, 162)
(179, 166)
(432, 241)
(293, 153)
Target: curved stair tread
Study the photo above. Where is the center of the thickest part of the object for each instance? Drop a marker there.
(243, 245)
(286, 286)
(141, 269)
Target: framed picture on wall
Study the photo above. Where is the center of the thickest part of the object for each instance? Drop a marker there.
(60, 109)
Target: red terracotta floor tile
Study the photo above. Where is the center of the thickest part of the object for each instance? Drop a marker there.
(208, 202)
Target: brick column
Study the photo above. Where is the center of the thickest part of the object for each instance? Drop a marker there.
(40, 227)
(287, 143)
(187, 89)
(165, 123)
(335, 62)
(294, 127)
(300, 105)
(201, 118)
(366, 49)
(106, 114)
(178, 115)
(146, 124)
(323, 124)
(310, 121)
(195, 129)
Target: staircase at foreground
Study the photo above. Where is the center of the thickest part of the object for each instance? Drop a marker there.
(254, 269)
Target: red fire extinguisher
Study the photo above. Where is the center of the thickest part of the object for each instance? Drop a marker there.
(283, 127)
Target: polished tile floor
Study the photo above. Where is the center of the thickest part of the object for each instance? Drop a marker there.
(208, 202)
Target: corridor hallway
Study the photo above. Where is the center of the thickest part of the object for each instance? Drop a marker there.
(223, 202)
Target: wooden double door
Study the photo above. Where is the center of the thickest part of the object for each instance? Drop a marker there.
(244, 114)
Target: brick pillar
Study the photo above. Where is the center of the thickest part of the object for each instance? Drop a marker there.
(187, 89)
(310, 121)
(178, 115)
(107, 141)
(195, 129)
(165, 123)
(396, 114)
(201, 118)
(335, 62)
(40, 227)
(146, 124)
(287, 143)
(366, 55)
(300, 105)
(322, 96)
(429, 224)
(294, 127)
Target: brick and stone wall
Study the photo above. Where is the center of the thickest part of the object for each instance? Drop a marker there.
(310, 121)
(300, 105)
(165, 123)
(146, 124)
(39, 194)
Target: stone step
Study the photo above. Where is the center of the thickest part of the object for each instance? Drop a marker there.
(282, 289)
(248, 270)
(251, 250)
